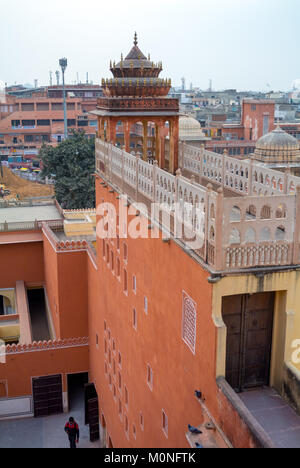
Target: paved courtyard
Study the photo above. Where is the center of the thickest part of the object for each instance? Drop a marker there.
(47, 432)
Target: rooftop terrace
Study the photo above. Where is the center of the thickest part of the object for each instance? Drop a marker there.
(28, 217)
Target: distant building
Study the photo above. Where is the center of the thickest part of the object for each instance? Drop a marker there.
(31, 117)
(279, 150)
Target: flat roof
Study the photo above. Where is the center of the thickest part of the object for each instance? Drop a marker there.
(29, 214)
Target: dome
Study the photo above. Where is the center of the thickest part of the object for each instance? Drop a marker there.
(277, 146)
(190, 128)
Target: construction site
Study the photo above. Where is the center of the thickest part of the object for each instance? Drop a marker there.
(13, 187)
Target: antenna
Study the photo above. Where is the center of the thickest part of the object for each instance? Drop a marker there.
(51, 81)
(87, 78)
(210, 86)
(77, 77)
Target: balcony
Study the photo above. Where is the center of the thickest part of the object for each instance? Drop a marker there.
(235, 215)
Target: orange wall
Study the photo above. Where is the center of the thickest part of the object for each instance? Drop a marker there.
(51, 278)
(23, 261)
(73, 298)
(21, 367)
(66, 283)
(163, 271)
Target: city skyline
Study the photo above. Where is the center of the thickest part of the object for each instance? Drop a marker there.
(242, 44)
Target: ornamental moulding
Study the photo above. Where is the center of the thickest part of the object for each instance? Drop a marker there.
(46, 345)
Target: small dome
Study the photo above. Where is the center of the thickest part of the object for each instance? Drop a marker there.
(277, 146)
(190, 128)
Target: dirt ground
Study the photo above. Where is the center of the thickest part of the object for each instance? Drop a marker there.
(22, 188)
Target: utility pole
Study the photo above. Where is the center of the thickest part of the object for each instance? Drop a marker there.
(63, 64)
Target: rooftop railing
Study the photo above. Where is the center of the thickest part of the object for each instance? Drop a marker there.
(259, 228)
(30, 225)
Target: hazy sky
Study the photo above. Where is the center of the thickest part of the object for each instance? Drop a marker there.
(243, 44)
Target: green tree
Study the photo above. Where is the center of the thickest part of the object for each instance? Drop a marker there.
(72, 163)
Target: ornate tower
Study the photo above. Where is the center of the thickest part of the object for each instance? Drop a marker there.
(136, 112)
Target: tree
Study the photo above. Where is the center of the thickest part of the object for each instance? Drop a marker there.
(72, 163)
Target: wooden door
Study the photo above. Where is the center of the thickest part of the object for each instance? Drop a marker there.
(93, 409)
(89, 394)
(47, 395)
(249, 322)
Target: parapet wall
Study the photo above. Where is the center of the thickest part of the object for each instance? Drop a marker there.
(21, 363)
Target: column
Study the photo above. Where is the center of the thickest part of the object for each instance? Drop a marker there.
(145, 140)
(250, 175)
(112, 131)
(175, 144)
(157, 151)
(219, 231)
(99, 127)
(172, 148)
(126, 126)
(105, 129)
(161, 146)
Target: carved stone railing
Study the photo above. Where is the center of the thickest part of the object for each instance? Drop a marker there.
(242, 177)
(147, 183)
(249, 231)
(30, 225)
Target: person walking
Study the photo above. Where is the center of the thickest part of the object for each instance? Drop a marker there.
(72, 429)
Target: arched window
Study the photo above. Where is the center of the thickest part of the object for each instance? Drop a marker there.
(235, 214)
(235, 236)
(265, 212)
(265, 235)
(280, 233)
(281, 211)
(251, 212)
(250, 236)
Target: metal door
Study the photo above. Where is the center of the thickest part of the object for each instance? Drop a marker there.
(249, 322)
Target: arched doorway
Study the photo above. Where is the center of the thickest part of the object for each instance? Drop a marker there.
(120, 139)
(152, 146)
(6, 307)
(136, 138)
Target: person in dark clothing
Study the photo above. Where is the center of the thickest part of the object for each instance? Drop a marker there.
(72, 429)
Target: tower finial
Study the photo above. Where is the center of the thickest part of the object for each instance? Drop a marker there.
(135, 39)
